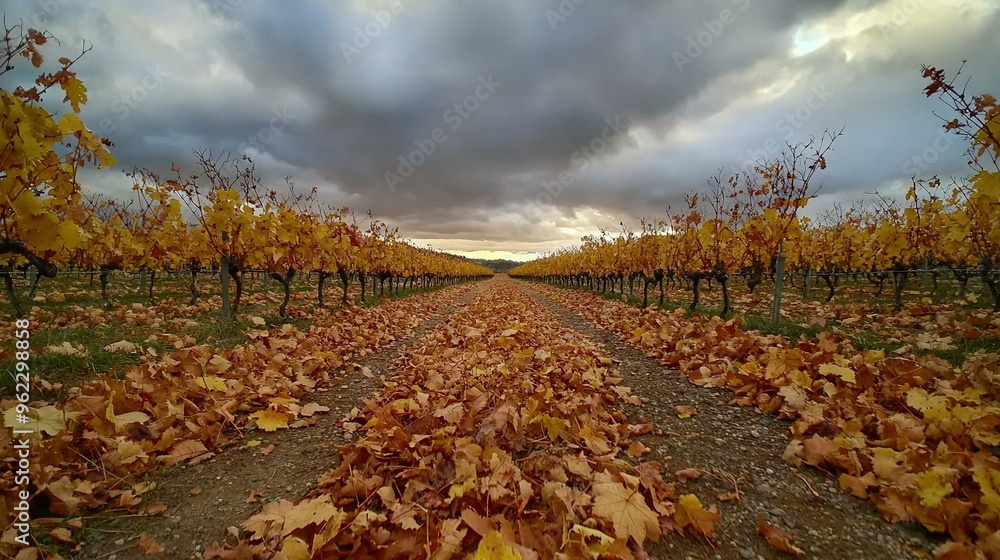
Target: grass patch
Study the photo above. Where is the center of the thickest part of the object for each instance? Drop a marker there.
(71, 368)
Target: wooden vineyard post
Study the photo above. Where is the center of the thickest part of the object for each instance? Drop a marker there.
(226, 311)
(779, 274)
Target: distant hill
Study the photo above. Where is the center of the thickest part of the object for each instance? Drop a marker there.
(498, 265)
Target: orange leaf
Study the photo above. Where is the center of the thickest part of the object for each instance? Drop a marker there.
(685, 475)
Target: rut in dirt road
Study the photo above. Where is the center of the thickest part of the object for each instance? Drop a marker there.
(204, 500)
(737, 449)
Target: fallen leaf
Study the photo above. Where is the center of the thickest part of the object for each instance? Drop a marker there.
(690, 513)
(270, 421)
(312, 408)
(777, 538)
(62, 534)
(122, 347)
(685, 475)
(685, 411)
(148, 545)
(625, 508)
(492, 547)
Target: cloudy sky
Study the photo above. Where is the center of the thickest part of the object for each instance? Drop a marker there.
(520, 125)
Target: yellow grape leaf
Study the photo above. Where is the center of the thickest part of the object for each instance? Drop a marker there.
(933, 407)
(604, 540)
(39, 227)
(76, 92)
(294, 548)
(270, 421)
(932, 487)
(845, 373)
(212, 383)
(552, 425)
(625, 508)
(459, 490)
(690, 512)
(70, 123)
(989, 483)
(492, 547)
(253, 443)
(405, 405)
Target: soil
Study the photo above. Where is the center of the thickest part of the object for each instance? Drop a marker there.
(205, 500)
(737, 448)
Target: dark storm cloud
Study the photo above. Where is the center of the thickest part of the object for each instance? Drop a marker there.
(505, 95)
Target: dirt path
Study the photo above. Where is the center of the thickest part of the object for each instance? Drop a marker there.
(737, 448)
(206, 499)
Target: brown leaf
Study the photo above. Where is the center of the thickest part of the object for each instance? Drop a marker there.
(312, 408)
(61, 534)
(148, 545)
(685, 475)
(817, 450)
(685, 411)
(777, 538)
(637, 449)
